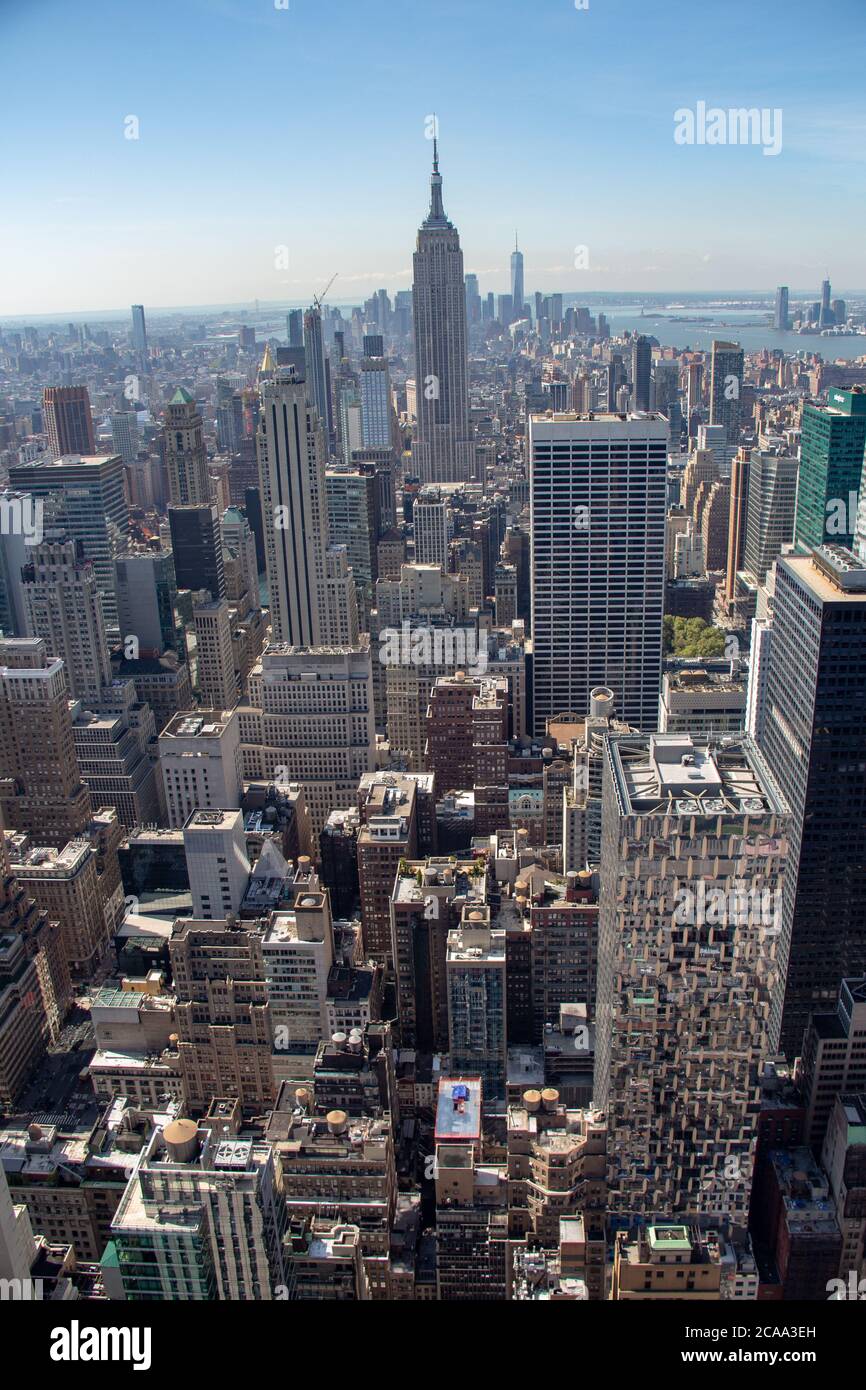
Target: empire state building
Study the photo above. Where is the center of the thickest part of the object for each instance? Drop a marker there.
(443, 450)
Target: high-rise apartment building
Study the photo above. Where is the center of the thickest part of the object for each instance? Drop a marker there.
(375, 394)
(334, 1167)
(64, 609)
(472, 1245)
(223, 1014)
(215, 660)
(430, 524)
(597, 500)
(201, 1216)
(557, 1169)
(68, 421)
(475, 974)
(387, 835)
(641, 373)
(298, 952)
(694, 846)
(354, 521)
(65, 884)
(814, 738)
(443, 449)
(726, 388)
(40, 780)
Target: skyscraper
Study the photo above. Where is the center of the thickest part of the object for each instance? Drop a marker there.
(91, 508)
(473, 299)
(124, 434)
(443, 448)
(430, 524)
(517, 295)
(215, 660)
(825, 317)
(375, 392)
(726, 384)
(139, 331)
(694, 853)
(185, 452)
(739, 501)
(146, 596)
(781, 319)
(475, 974)
(316, 369)
(232, 1056)
(295, 327)
(68, 421)
(814, 738)
(694, 387)
(831, 469)
(63, 608)
(42, 790)
(301, 569)
(597, 501)
(196, 544)
(772, 491)
(641, 372)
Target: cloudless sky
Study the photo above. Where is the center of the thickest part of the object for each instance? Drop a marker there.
(262, 128)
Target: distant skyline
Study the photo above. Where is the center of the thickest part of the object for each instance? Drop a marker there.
(268, 308)
(276, 146)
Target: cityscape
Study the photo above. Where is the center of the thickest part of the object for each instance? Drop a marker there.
(432, 714)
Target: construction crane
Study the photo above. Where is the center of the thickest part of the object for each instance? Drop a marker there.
(319, 299)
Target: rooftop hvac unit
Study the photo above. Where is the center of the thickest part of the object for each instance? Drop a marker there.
(751, 803)
(713, 805)
(686, 808)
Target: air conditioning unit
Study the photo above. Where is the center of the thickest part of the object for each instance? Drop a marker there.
(752, 804)
(686, 808)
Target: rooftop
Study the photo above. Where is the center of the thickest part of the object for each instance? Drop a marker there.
(679, 774)
(458, 1109)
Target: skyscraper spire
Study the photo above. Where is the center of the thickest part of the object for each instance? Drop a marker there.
(436, 216)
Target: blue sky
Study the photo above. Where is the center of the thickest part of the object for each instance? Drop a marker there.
(304, 128)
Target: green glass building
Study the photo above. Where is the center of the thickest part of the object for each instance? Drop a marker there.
(831, 470)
